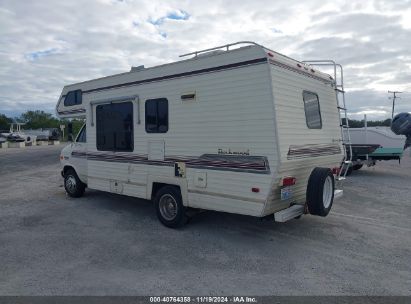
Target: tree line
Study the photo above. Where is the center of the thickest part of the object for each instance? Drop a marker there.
(370, 123)
(38, 120)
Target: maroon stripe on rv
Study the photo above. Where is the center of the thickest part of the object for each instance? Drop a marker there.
(185, 74)
(303, 151)
(73, 111)
(290, 68)
(260, 165)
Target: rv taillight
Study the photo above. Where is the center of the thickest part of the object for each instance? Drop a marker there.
(336, 170)
(289, 181)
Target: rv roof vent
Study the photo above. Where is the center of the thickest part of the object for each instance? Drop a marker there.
(137, 68)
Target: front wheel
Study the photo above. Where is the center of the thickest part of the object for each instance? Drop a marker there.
(320, 191)
(169, 207)
(73, 185)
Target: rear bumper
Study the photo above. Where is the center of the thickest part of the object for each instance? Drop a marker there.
(289, 213)
(297, 210)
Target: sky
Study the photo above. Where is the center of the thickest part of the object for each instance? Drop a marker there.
(46, 44)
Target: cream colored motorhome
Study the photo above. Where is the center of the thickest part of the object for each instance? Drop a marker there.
(238, 128)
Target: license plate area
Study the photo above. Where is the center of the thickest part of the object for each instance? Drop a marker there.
(286, 193)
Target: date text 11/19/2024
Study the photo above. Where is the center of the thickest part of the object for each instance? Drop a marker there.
(203, 299)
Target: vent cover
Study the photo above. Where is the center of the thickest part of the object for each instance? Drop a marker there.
(188, 96)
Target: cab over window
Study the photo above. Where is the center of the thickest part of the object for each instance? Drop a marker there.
(157, 115)
(115, 127)
(73, 98)
(312, 110)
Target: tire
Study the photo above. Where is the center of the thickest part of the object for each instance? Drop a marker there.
(73, 185)
(357, 167)
(320, 191)
(169, 207)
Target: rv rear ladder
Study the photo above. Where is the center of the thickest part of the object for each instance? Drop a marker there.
(342, 113)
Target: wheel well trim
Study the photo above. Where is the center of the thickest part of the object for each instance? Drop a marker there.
(67, 167)
(169, 181)
(70, 166)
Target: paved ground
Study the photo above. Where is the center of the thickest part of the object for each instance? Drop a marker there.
(105, 244)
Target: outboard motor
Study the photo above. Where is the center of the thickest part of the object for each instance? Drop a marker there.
(401, 125)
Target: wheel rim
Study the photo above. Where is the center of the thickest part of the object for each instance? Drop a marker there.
(327, 192)
(71, 184)
(168, 207)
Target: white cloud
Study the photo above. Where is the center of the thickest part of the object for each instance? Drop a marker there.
(47, 44)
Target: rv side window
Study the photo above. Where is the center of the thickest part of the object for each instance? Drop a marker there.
(73, 98)
(312, 110)
(157, 115)
(115, 127)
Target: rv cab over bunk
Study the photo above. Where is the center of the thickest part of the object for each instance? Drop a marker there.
(237, 128)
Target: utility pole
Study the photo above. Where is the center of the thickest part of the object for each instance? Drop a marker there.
(394, 97)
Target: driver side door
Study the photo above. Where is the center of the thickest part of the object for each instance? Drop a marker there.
(80, 148)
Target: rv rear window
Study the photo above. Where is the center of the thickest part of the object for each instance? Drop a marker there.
(115, 127)
(312, 110)
(157, 115)
(73, 98)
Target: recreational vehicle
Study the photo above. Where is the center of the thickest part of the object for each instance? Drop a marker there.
(239, 129)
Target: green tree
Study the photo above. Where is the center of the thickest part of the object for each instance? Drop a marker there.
(39, 119)
(370, 123)
(5, 122)
(356, 123)
(77, 124)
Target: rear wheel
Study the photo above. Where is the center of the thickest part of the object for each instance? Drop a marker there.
(320, 191)
(73, 185)
(169, 207)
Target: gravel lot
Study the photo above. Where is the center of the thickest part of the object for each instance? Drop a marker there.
(104, 244)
